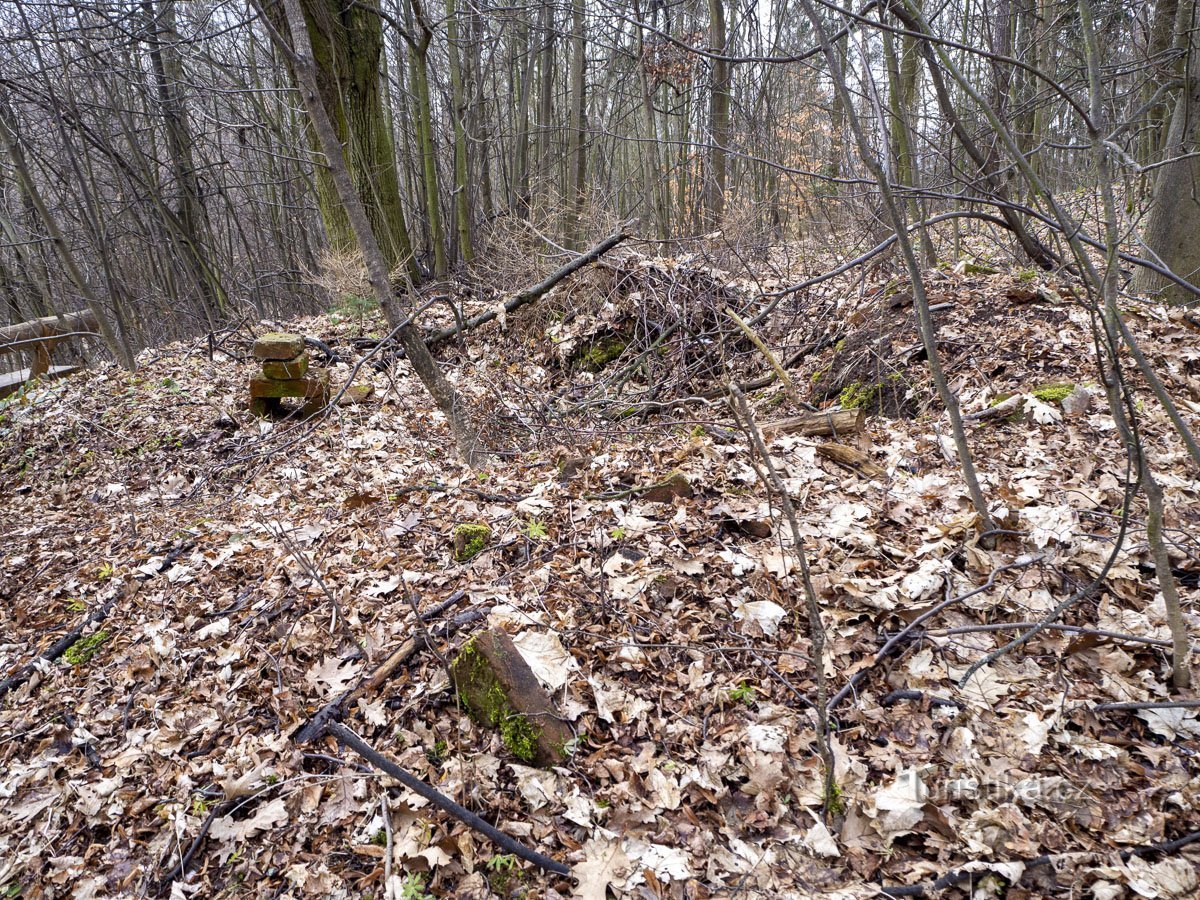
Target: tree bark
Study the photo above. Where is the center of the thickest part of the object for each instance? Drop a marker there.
(1174, 217)
(466, 435)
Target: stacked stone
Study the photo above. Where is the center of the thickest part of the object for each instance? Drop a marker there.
(285, 373)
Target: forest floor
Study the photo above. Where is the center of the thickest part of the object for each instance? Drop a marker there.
(252, 570)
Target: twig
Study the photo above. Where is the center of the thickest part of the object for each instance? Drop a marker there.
(1133, 707)
(316, 726)
(55, 650)
(530, 293)
(442, 802)
(1020, 562)
(780, 371)
(816, 630)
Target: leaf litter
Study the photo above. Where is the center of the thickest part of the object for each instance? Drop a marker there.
(256, 570)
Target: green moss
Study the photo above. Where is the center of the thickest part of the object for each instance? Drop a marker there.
(859, 395)
(469, 540)
(1016, 415)
(80, 652)
(519, 734)
(1053, 393)
(835, 801)
(600, 352)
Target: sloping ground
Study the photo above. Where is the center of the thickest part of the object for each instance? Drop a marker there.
(253, 571)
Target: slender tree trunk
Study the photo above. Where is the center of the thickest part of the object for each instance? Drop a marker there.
(347, 40)
(458, 113)
(718, 115)
(576, 139)
(12, 144)
(1174, 217)
(443, 393)
(188, 207)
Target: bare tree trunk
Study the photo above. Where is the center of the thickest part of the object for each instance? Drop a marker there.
(576, 139)
(718, 115)
(8, 135)
(466, 435)
(189, 209)
(1174, 218)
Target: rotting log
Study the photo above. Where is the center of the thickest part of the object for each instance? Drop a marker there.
(836, 422)
(851, 458)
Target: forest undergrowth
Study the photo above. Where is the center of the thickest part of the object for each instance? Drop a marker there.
(233, 575)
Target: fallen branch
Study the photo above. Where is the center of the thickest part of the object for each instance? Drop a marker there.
(780, 372)
(442, 802)
(316, 726)
(1134, 707)
(839, 421)
(530, 294)
(55, 650)
(1005, 407)
(847, 456)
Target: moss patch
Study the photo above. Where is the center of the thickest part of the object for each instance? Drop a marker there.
(862, 395)
(81, 652)
(1053, 393)
(596, 354)
(490, 706)
(469, 540)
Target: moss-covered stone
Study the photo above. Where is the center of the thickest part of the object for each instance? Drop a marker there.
(470, 538)
(286, 369)
(599, 352)
(280, 345)
(500, 691)
(1053, 393)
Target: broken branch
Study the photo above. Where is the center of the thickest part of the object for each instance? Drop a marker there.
(442, 802)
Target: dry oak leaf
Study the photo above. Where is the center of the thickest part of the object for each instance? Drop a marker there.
(604, 863)
(331, 677)
(267, 816)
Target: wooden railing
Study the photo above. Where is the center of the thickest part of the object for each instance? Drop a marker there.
(38, 338)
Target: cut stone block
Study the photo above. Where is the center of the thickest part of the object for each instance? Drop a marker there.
(500, 691)
(278, 345)
(286, 369)
(674, 485)
(356, 393)
(265, 393)
(314, 384)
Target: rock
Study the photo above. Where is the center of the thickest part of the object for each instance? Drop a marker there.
(278, 345)
(292, 387)
(265, 393)
(500, 691)
(1078, 402)
(286, 369)
(356, 393)
(675, 485)
(469, 540)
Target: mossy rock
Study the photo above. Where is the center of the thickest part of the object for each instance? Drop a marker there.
(1055, 392)
(597, 353)
(868, 395)
(280, 345)
(470, 539)
(500, 691)
(286, 369)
